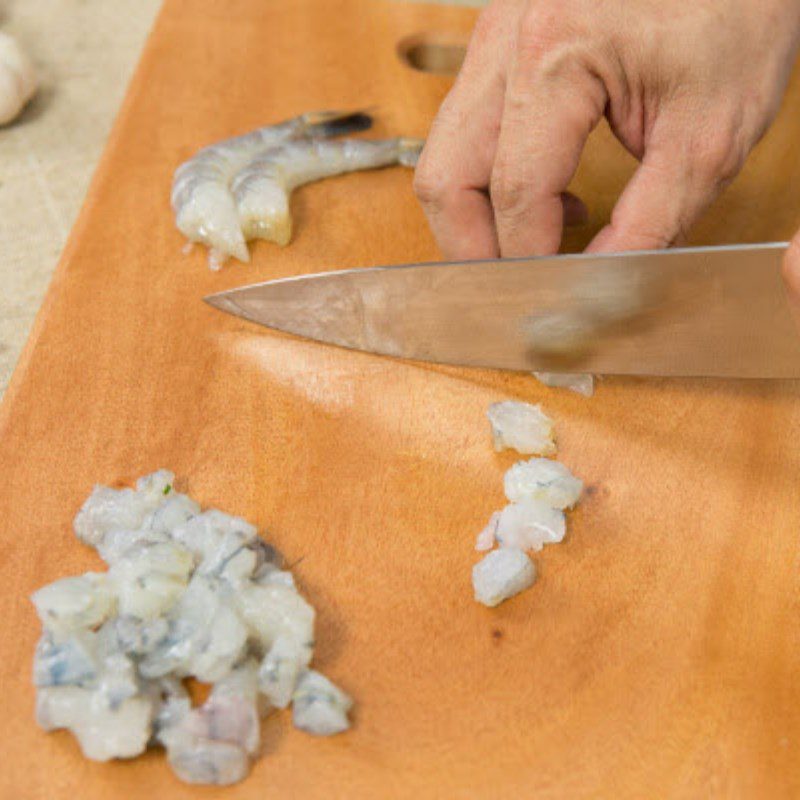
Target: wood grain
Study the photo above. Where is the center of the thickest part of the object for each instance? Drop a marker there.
(658, 654)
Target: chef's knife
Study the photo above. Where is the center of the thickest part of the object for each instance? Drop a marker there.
(718, 311)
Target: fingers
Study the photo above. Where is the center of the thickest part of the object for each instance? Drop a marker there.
(791, 276)
(677, 180)
(553, 101)
(517, 130)
(454, 169)
(455, 166)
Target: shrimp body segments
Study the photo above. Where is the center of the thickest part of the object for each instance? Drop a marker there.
(201, 198)
(239, 189)
(263, 187)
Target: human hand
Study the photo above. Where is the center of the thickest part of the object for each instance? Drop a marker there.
(791, 276)
(688, 88)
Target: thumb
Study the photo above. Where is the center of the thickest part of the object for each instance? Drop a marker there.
(791, 276)
(676, 181)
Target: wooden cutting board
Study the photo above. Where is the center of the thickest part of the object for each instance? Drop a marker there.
(657, 656)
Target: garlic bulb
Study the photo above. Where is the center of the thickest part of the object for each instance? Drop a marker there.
(17, 79)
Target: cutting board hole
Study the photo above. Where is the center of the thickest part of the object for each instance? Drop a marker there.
(436, 53)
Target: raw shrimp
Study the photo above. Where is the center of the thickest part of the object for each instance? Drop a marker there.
(521, 426)
(263, 187)
(502, 574)
(539, 491)
(527, 525)
(578, 382)
(18, 81)
(201, 197)
(188, 593)
(542, 479)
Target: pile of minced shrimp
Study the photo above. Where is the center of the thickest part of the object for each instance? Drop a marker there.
(198, 594)
(538, 490)
(187, 594)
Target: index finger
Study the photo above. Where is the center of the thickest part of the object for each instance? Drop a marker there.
(454, 169)
(452, 174)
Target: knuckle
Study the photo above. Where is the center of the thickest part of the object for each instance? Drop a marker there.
(532, 49)
(719, 158)
(430, 187)
(508, 192)
(516, 107)
(426, 187)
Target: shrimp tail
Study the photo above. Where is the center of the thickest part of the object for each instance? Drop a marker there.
(325, 124)
(409, 151)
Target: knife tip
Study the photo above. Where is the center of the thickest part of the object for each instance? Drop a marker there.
(223, 302)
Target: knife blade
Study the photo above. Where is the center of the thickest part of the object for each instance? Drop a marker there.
(704, 311)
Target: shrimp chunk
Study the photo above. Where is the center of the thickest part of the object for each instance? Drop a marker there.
(529, 525)
(578, 382)
(280, 669)
(69, 604)
(213, 744)
(522, 427)
(319, 707)
(502, 574)
(542, 479)
(103, 732)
